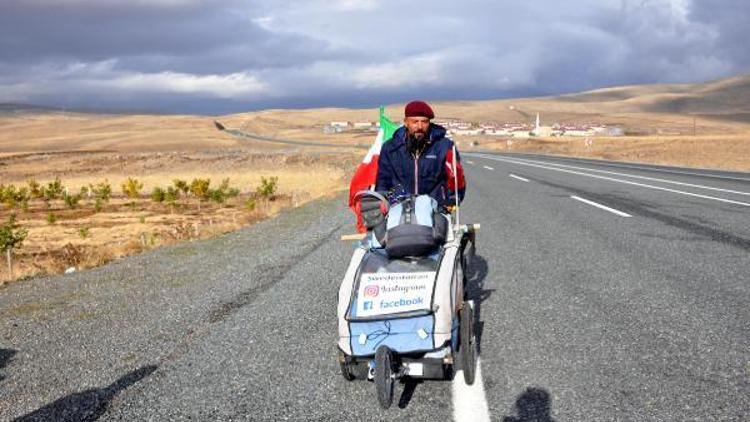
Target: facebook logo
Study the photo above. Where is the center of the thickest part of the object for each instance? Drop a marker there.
(367, 305)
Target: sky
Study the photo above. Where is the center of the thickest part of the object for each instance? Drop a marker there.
(222, 56)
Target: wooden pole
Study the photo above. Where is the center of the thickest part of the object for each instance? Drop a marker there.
(10, 263)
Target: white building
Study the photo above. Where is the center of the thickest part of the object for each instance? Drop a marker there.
(341, 124)
(363, 125)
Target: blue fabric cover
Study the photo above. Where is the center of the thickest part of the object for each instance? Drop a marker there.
(400, 335)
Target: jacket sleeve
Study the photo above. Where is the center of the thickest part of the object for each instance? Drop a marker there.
(453, 174)
(384, 181)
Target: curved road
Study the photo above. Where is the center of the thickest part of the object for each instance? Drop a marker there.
(605, 292)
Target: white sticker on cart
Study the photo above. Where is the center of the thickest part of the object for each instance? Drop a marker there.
(391, 293)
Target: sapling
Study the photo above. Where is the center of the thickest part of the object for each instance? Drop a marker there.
(200, 188)
(11, 237)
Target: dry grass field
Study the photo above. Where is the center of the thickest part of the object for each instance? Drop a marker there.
(60, 237)
(701, 125)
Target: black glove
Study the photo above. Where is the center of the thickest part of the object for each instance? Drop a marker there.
(372, 213)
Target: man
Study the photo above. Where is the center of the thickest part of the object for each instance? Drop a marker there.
(419, 159)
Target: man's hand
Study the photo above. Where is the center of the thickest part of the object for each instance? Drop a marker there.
(450, 208)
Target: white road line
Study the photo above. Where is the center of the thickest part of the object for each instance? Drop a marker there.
(674, 182)
(627, 182)
(523, 179)
(469, 401)
(598, 205)
(643, 167)
(488, 167)
(470, 162)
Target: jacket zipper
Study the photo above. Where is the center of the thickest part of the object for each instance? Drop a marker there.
(416, 175)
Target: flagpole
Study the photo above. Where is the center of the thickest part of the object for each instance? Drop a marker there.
(455, 186)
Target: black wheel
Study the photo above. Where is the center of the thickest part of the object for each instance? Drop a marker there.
(384, 376)
(346, 372)
(467, 350)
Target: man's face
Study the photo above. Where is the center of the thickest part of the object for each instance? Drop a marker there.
(417, 126)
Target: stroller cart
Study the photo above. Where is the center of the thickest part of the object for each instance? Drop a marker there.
(407, 316)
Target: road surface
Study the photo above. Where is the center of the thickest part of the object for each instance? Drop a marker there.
(605, 291)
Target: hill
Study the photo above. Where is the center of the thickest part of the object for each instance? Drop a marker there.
(715, 108)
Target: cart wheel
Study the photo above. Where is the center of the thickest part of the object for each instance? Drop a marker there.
(468, 348)
(351, 370)
(384, 376)
(345, 372)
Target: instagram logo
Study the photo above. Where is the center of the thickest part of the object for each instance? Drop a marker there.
(372, 291)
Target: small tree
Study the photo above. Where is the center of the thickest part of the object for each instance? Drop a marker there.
(71, 201)
(8, 196)
(158, 195)
(132, 189)
(11, 237)
(102, 190)
(35, 189)
(268, 187)
(181, 185)
(223, 192)
(200, 189)
(53, 190)
(171, 196)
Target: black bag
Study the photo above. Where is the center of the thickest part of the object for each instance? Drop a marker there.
(415, 227)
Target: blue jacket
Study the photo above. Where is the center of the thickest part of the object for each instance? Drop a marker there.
(431, 173)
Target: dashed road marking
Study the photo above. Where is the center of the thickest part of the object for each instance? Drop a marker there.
(470, 162)
(523, 179)
(488, 167)
(627, 182)
(635, 176)
(604, 207)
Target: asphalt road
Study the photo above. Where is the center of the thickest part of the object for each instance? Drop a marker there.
(627, 302)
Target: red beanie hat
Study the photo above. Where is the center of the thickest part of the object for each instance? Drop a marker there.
(418, 109)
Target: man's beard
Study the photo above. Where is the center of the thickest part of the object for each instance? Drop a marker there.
(416, 142)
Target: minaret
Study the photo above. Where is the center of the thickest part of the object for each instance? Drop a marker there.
(536, 129)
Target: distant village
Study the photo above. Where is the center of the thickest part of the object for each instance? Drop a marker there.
(507, 130)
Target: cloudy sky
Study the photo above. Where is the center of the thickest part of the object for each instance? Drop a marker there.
(218, 56)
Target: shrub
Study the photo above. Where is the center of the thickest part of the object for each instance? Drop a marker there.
(250, 204)
(200, 189)
(102, 191)
(8, 196)
(181, 185)
(35, 189)
(217, 195)
(71, 201)
(11, 196)
(223, 192)
(158, 195)
(267, 187)
(171, 196)
(53, 190)
(84, 232)
(132, 188)
(11, 237)
(98, 205)
(51, 218)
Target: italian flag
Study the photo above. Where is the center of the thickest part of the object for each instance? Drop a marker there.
(367, 172)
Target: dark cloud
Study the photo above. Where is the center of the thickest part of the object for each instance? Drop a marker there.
(217, 56)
